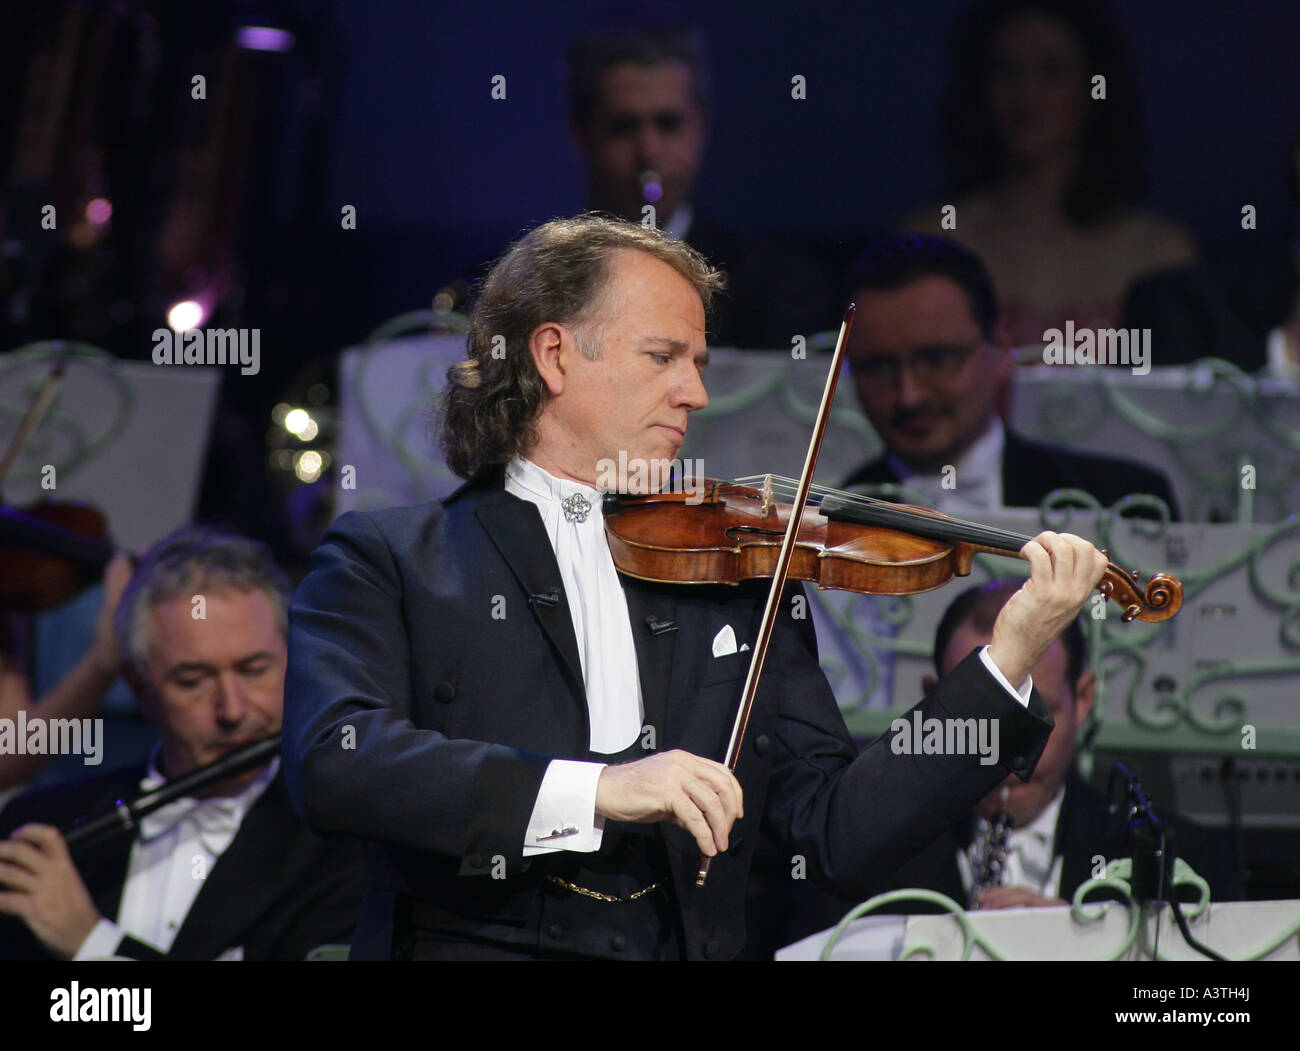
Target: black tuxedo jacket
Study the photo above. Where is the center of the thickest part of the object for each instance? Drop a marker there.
(1083, 831)
(1031, 470)
(278, 890)
(427, 692)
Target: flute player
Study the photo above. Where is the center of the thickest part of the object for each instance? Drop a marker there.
(230, 875)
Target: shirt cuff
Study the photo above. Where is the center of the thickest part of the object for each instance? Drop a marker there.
(1026, 688)
(564, 816)
(101, 942)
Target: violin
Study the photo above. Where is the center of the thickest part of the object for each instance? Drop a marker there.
(737, 532)
(50, 553)
(53, 551)
(728, 532)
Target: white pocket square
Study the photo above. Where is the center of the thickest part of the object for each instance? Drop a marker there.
(234, 953)
(724, 642)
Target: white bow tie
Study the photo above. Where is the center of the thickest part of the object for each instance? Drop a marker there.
(217, 818)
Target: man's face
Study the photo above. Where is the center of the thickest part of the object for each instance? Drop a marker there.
(1069, 708)
(634, 399)
(215, 684)
(646, 119)
(925, 376)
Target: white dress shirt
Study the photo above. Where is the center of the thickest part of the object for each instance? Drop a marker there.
(976, 478)
(1280, 364)
(1030, 860)
(610, 671)
(173, 852)
(564, 816)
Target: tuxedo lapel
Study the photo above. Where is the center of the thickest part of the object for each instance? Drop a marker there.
(236, 893)
(654, 631)
(516, 529)
(1021, 481)
(103, 865)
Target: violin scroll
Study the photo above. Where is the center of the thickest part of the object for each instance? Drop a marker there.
(1159, 600)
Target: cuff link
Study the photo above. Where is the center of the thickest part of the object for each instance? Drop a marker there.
(556, 833)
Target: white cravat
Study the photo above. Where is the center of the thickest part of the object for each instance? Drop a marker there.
(174, 851)
(596, 602)
(975, 484)
(610, 672)
(1030, 862)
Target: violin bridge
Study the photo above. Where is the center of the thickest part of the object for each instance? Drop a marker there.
(769, 499)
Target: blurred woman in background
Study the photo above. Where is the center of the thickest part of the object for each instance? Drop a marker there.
(1045, 164)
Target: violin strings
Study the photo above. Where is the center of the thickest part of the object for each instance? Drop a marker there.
(785, 486)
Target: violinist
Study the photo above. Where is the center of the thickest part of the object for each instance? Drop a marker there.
(531, 741)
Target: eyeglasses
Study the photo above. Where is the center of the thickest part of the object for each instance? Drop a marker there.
(930, 365)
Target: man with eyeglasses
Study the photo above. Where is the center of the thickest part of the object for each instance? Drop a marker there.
(928, 361)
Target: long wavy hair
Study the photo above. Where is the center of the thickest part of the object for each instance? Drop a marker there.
(1108, 173)
(556, 273)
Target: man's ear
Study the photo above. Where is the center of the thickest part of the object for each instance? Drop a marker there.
(1085, 692)
(546, 345)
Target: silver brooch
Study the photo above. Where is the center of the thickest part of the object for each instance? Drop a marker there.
(576, 507)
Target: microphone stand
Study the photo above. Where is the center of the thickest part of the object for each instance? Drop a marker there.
(1151, 846)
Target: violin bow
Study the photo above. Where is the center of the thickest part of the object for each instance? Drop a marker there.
(36, 412)
(783, 565)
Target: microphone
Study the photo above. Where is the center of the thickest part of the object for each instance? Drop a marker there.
(660, 627)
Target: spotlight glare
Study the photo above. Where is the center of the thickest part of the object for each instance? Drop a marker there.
(264, 38)
(308, 466)
(99, 210)
(185, 315)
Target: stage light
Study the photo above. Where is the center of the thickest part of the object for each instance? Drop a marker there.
(99, 210)
(185, 315)
(308, 466)
(296, 421)
(264, 38)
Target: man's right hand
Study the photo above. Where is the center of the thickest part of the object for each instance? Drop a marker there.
(700, 795)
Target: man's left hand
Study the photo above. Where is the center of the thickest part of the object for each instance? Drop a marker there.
(1016, 897)
(45, 890)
